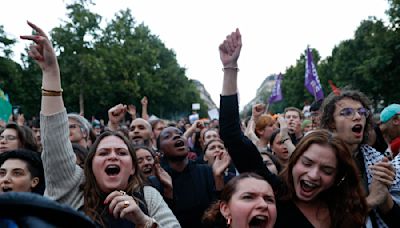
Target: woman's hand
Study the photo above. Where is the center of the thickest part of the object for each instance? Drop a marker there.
(229, 50)
(42, 50)
(121, 205)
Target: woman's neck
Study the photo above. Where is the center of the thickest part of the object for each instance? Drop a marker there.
(316, 212)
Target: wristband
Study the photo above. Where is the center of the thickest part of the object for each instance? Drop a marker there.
(230, 68)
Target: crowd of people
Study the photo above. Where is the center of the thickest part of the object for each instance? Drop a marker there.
(333, 165)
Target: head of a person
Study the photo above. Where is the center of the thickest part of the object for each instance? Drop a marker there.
(36, 131)
(347, 115)
(97, 128)
(271, 162)
(145, 159)
(248, 200)
(278, 147)
(110, 165)
(210, 134)
(157, 125)
(17, 137)
(21, 170)
(264, 127)
(390, 121)
(213, 149)
(322, 170)
(81, 154)
(214, 123)
(315, 113)
(79, 129)
(294, 117)
(140, 132)
(173, 144)
(306, 126)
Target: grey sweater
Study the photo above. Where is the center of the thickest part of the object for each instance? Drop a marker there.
(64, 176)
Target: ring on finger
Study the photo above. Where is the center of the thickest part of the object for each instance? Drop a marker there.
(126, 203)
(122, 192)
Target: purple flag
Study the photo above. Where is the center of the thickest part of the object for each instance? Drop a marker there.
(311, 78)
(276, 94)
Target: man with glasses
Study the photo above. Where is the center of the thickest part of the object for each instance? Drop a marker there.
(348, 116)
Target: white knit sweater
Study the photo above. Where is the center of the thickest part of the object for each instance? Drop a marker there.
(64, 176)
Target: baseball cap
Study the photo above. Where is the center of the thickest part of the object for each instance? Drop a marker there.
(388, 112)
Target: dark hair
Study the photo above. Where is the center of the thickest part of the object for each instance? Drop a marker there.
(316, 105)
(273, 136)
(33, 163)
(154, 123)
(212, 217)
(36, 123)
(209, 143)
(345, 199)
(80, 152)
(294, 109)
(144, 147)
(274, 160)
(25, 136)
(92, 193)
(329, 106)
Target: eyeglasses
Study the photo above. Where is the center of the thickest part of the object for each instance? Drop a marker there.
(74, 126)
(8, 137)
(350, 112)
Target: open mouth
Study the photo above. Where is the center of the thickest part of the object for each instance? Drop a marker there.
(258, 221)
(6, 189)
(357, 128)
(308, 186)
(179, 143)
(147, 170)
(112, 170)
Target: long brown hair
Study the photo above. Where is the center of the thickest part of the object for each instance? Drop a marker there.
(345, 199)
(93, 196)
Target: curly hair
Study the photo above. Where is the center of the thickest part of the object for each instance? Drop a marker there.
(346, 198)
(93, 196)
(329, 107)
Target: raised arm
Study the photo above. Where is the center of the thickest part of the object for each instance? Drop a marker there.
(145, 103)
(43, 53)
(63, 176)
(243, 152)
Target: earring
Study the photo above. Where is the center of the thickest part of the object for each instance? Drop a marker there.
(229, 221)
(341, 181)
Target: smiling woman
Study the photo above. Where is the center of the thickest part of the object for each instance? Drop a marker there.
(113, 191)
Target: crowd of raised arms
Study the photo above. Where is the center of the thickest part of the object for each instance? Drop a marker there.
(332, 164)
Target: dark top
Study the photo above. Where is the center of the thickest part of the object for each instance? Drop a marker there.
(247, 159)
(243, 152)
(194, 191)
(291, 216)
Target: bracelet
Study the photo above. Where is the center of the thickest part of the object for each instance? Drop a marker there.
(151, 223)
(51, 93)
(230, 68)
(284, 140)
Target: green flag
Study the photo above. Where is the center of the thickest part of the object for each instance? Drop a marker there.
(5, 107)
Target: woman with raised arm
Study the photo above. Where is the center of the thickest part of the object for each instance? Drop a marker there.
(320, 186)
(113, 194)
